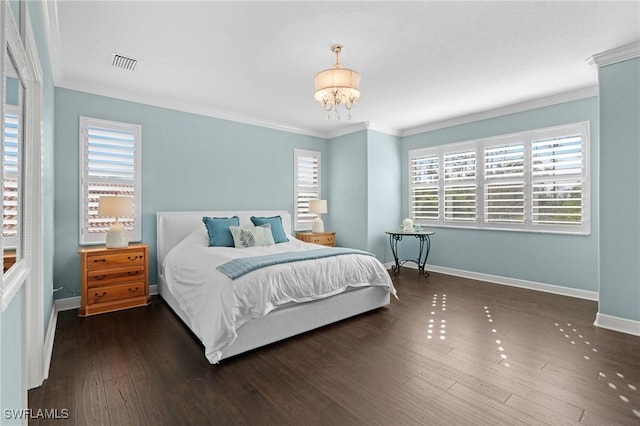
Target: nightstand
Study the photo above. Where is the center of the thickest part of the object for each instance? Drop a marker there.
(113, 279)
(324, 238)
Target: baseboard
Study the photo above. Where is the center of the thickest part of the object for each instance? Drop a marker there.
(617, 324)
(513, 282)
(70, 303)
(47, 351)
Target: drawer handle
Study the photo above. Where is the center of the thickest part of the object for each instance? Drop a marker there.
(99, 277)
(132, 273)
(132, 258)
(99, 260)
(97, 295)
(133, 290)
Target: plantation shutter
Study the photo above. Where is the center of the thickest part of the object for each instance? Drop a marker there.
(424, 186)
(111, 166)
(307, 186)
(557, 180)
(460, 186)
(504, 183)
(11, 175)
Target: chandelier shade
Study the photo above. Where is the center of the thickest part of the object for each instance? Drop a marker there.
(337, 86)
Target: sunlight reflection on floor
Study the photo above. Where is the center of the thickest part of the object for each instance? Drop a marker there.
(433, 322)
(572, 340)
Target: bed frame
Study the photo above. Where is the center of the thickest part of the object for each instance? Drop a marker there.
(282, 323)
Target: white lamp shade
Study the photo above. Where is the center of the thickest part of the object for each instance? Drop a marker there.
(115, 206)
(343, 79)
(318, 206)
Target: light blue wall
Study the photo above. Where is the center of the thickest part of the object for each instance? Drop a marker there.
(619, 86)
(564, 260)
(364, 195)
(11, 354)
(384, 184)
(189, 162)
(347, 200)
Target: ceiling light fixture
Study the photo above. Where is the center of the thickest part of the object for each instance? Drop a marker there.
(337, 86)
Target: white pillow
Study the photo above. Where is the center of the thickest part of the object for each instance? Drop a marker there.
(250, 236)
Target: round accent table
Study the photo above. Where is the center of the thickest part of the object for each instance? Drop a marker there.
(425, 245)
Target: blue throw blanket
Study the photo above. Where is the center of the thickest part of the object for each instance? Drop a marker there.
(238, 267)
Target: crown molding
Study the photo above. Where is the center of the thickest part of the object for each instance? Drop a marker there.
(573, 95)
(613, 56)
(49, 10)
(188, 107)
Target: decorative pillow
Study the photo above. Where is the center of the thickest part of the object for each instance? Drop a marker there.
(279, 236)
(250, 236)
(218, 229)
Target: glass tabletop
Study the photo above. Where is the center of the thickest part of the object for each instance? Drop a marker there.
(401, 232)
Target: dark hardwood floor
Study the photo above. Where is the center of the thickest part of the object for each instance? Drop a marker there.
(450, 351)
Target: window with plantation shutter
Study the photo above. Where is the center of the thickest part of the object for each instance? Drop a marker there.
(557, 179)
(460, 186)
(306, 186)
(536, 181)
(12, 172)
(110, 161)
(504, 182)
(424, 187)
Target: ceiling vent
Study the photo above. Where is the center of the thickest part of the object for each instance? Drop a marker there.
(124, 62)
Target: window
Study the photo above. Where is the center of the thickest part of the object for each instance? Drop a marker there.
(306, 186)
(110, 165)
(11, 178)
(530, 181)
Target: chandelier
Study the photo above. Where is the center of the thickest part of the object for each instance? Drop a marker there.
(337, 86)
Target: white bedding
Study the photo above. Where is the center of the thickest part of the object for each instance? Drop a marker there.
(216, 306)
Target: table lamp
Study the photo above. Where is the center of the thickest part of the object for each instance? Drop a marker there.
(116, 206)
(318, 207)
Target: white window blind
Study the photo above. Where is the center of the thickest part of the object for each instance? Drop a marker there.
(110, 161)
(504, 183)
(12, 171)
(460, 186)
(306, 186)
(424, 183)
(557, 168)
(530, 181)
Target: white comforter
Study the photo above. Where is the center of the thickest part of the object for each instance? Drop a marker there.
(216, 306)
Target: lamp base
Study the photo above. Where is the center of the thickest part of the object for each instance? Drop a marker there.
(117, 236)
(317, 225)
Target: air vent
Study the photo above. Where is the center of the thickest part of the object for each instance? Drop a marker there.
(124, 62)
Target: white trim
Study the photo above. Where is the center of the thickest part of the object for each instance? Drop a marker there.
(364, 125)
(70, 303)
(34, 298)
(52, 35)
(622, 325)
(67, 304)
(613, 56)
(573, 95)
(512, 282)
(48, 341)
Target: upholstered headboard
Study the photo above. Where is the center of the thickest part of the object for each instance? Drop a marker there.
(173, 227)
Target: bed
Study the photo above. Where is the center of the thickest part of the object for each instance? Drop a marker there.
(228, 315)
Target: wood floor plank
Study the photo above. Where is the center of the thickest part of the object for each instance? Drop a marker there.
(122, 402)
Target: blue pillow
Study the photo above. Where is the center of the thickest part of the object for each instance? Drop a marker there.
(279, 236)
(218, 229)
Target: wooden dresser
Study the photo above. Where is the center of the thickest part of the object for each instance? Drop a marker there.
(324, 238)
(113, 279)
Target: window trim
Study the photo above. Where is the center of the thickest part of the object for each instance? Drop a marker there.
(527, 137)
(86, 238)
(297, 153)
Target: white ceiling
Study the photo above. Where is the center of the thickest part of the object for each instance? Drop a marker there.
(421, 62)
